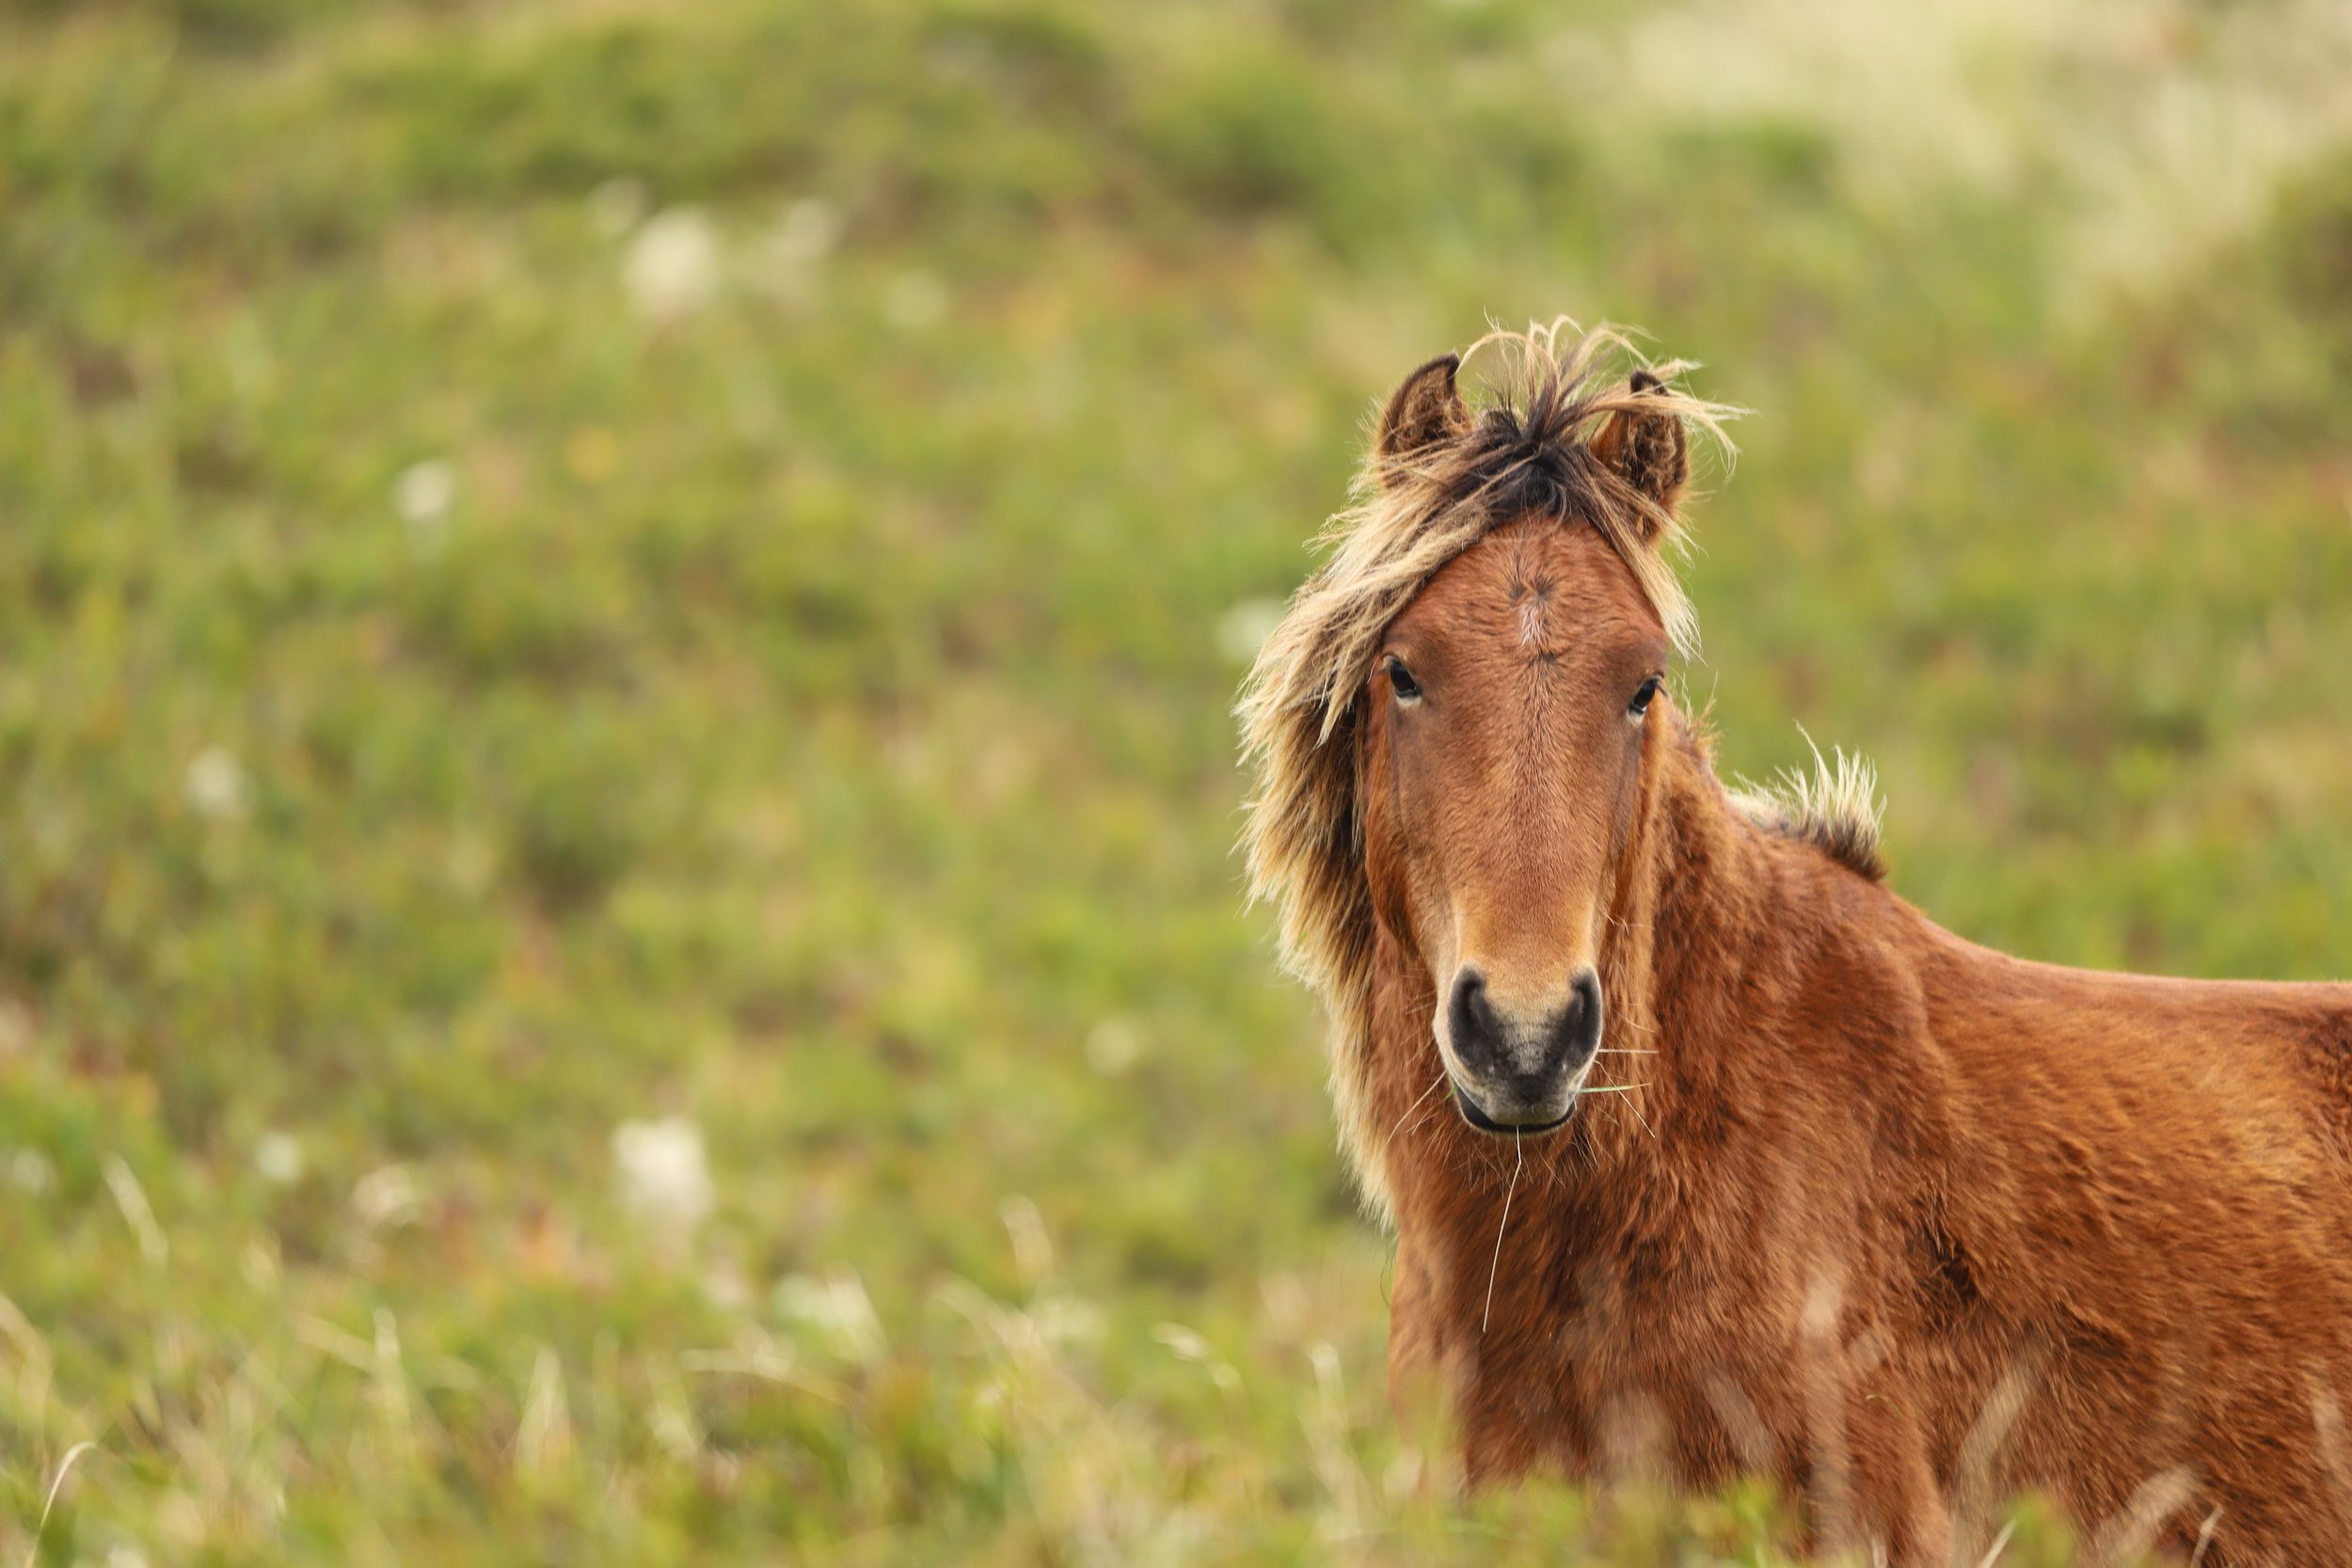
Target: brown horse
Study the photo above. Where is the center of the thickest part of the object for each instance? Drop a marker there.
(1749, 1166)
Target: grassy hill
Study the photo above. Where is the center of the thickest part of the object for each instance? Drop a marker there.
(617, 934)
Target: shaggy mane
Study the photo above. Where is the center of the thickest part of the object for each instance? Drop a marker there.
(1528, 450)
(1836, 808)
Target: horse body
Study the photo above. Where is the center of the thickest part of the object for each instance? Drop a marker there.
(1906, 1222)
(1746, 1166)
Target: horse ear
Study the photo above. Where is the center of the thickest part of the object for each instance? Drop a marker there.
(1423, 411)
(1646, 447)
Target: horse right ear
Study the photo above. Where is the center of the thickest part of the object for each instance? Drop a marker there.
(1422, 412)
(1648, 451)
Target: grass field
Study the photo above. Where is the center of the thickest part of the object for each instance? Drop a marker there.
(617, 934)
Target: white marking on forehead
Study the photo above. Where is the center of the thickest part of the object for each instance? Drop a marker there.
(1531, 604)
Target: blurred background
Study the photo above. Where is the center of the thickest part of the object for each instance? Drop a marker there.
(618, 939)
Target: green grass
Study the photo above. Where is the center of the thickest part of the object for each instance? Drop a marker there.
(807, 716)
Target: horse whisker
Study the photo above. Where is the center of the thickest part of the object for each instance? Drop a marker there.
(1423, 1121)
(1635, 1106)
(1495, 1265)
(1417, 1104)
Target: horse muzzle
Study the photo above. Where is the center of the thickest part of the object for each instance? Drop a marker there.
(1517, 1070)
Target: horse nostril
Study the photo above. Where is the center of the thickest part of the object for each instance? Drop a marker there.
(1471, 1019)
(1577, 1031)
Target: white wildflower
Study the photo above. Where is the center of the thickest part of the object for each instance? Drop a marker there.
(216, 783)
(1113, 1047)
(278, 1158)
(664, 1177)
(424, 494)
(387, 1197)
(673, 264)
(807, 232)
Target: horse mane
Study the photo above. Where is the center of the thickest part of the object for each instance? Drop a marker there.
(1528, 450)
(1834, 807)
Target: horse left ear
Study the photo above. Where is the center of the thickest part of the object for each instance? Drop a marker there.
(1426, 410)
(1647, 449)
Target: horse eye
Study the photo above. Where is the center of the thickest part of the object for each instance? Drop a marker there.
(1407, 689)
(1641, 699)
